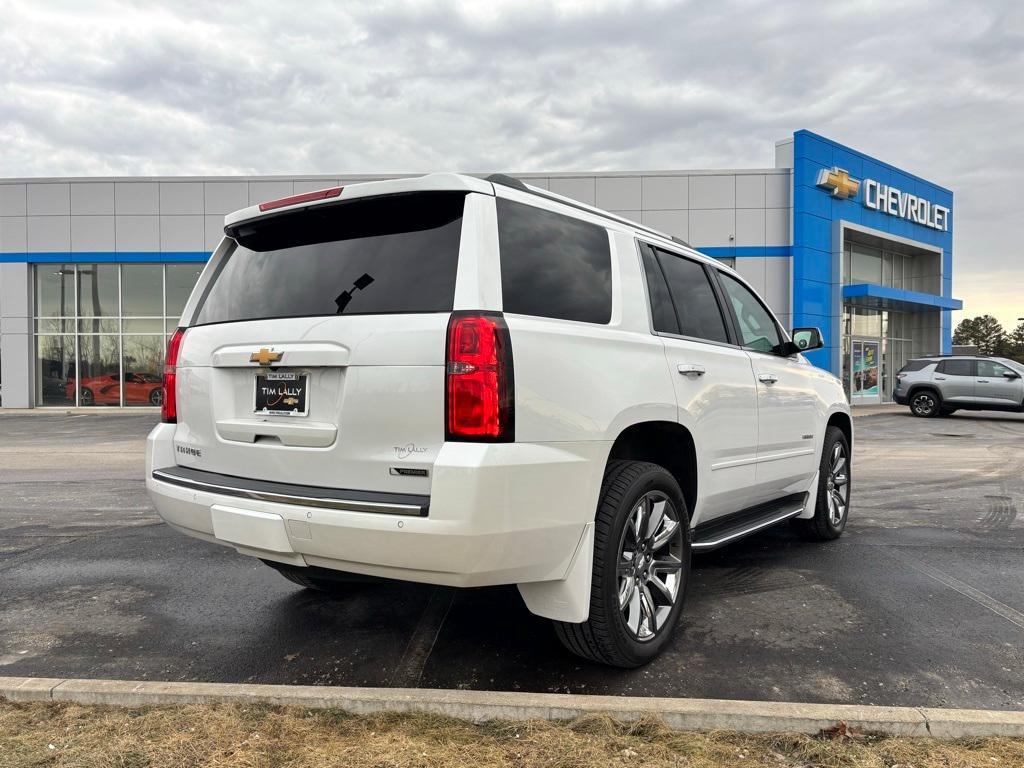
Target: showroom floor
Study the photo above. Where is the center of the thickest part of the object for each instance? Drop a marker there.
(921, 603)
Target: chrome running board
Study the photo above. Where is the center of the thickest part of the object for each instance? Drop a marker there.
(721, 531)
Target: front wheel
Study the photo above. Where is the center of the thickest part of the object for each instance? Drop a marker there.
(832, 505)
(641, 567)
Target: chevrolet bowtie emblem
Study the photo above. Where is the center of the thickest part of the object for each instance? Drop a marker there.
(838, 180)
(265, 356)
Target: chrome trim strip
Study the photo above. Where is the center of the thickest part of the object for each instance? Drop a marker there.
(345, 505)
(739, 534)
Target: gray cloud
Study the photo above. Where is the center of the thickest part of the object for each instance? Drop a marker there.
(324, 87)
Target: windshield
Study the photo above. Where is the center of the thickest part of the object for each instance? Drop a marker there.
(378, 255)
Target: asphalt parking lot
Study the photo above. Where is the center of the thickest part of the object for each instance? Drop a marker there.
(920, 603)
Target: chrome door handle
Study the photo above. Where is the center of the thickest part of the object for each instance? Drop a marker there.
(767, 378)
(688, 369)
(940, 378)
(983, 381)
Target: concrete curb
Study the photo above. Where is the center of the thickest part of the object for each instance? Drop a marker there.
(477, 706)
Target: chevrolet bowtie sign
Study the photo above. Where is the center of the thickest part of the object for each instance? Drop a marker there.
(839, 181)
(885, 198)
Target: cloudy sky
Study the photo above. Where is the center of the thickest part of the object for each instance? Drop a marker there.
(184, 88)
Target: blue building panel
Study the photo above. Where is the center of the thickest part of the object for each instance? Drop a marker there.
(817, 291)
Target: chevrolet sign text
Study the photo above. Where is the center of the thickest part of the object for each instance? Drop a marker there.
(882, 197)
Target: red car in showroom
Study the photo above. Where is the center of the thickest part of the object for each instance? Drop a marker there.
(139, 389)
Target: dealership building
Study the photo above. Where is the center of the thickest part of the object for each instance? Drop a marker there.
(94, 272)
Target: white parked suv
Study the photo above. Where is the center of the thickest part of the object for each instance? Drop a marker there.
(472, 382)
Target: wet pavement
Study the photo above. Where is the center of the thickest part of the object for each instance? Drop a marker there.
(920, 603)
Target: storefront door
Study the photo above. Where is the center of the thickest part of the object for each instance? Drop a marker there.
(865, 372)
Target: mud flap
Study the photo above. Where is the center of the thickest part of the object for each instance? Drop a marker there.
(567, 599)
(812, 499)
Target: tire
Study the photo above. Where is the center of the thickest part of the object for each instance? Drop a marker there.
(156, 397)
(626, 571)
(832, 504)
(925, 403)
(86, 397)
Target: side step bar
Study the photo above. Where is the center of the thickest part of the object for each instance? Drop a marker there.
(723, 530)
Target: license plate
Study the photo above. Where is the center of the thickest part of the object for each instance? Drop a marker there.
(281, 393)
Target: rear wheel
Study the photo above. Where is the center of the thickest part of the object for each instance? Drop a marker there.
(85, 396)
(156, 396)
(832, 505)
(641, 567)
(925, 403)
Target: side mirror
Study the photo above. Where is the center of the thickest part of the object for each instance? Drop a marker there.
(1011, 375)
(804, 340)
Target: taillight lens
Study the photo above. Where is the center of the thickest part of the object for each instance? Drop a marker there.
(479, 400)
(169, 406)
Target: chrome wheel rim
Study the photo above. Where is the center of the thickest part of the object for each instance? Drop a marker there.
(837, 489)
(650, 565)
(923, 404)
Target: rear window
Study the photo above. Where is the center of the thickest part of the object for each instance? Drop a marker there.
(553, 265)
(378, 255)
(915, 365)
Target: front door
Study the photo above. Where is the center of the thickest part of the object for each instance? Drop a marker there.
(787, 425)
(998, 385)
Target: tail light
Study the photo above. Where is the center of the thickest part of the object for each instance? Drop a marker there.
(169, 406)
(479, 381)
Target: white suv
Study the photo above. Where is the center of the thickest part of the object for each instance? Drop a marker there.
(472, 382)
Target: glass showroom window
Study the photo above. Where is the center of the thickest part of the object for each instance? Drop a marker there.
(101, 330)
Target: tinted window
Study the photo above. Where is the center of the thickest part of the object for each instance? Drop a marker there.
(757, 327)
(663, 316)
(693, 298)
(957, 367)
(915, 365)
(372, 256)
(553, 265)
(992, 370)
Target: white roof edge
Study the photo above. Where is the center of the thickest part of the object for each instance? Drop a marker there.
(429, 183)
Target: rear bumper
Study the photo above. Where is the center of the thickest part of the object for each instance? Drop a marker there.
(299, 495)
(497, 514)
(899, 398)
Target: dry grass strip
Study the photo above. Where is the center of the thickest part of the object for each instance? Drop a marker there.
(247, 736)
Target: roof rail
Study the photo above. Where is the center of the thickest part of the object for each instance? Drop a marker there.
(509, 181)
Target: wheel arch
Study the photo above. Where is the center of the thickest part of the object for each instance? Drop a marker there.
(922, 387)
(666, 443)
(842, 420)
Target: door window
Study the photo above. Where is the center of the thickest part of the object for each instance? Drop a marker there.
(692, 298)
(756, 325)
(956, 367)
(990, 370)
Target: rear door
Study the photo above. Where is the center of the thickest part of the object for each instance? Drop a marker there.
(714, 385)
(788, 415)
(955, 378)
(315, 352)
